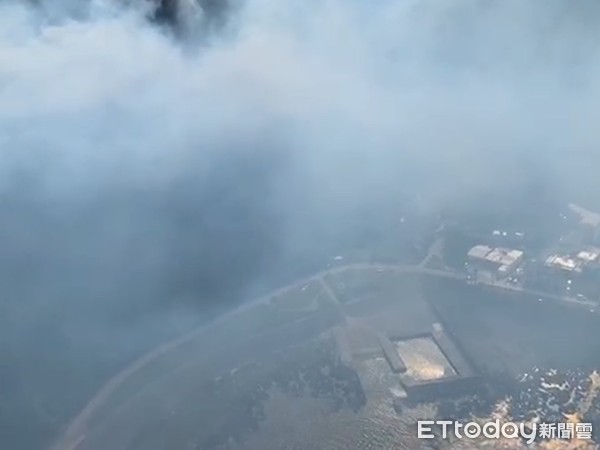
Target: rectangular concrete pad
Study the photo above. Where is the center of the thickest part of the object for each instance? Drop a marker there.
(459, 378)
(424, 360)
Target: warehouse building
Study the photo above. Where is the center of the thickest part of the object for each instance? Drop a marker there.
(495, 263)
(575, 263)
(571, 274)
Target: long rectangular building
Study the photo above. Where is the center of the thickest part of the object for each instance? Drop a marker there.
(575, 262)
(499, 261)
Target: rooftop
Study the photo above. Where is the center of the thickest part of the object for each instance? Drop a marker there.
(500, 256)
(574, 262)
(479, 251)
(504, 256)
(589, 255)
(564, 263)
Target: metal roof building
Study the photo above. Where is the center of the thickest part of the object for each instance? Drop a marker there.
(500, 260)
(479, 252)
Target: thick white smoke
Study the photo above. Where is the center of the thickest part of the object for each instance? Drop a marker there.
(459, 83)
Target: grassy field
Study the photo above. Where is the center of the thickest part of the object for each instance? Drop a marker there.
(355, 285)
(301, 299)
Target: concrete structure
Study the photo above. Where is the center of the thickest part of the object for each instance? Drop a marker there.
(589, 256)
(479, 252)
(391, 355)
(564, 263)
(415, 367)
(428, 365)
(499, 262)
(573, 263)
(574, 274)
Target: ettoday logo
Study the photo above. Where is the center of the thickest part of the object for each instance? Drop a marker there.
(430, 429)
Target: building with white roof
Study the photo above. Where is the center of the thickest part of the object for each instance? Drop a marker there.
(499, 261)
(565, 263)
(479, 252)
(574, 263)
(589, 256)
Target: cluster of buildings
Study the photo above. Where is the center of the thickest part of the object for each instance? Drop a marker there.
(575, 274)
(494, 263)
(576, 263)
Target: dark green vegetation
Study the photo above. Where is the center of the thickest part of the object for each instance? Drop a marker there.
(232, 405)
(212, 410)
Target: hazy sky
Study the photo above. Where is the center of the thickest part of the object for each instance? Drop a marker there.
(135, 168)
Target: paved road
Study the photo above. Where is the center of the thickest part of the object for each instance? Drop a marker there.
(435, 250)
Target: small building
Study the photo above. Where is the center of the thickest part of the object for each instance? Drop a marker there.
(574, 263)
(564, 263)
(570, 273)
(590, 256)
